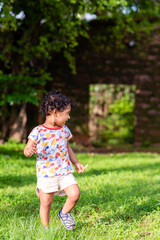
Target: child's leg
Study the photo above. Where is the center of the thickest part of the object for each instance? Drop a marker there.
(38, 192)
(46, 200)
(73, 194)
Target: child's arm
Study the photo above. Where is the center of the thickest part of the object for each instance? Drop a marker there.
(79, 167)
(30, 148)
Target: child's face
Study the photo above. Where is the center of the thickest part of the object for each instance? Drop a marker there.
(62, 117)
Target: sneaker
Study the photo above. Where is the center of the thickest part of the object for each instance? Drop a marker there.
(67, 220)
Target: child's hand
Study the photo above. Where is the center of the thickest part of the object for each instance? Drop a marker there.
(80, 168)
(30, 150)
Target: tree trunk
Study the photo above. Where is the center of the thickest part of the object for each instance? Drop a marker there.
(17, 129)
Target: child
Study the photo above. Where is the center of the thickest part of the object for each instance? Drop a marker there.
(54, 156)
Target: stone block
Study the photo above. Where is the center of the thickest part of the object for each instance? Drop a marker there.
(154, 132)
(155, 99)
(152, 112)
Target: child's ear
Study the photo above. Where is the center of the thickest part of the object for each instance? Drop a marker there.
(54, 112)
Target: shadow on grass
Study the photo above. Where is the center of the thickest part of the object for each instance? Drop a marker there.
(17, 181)
(11, 148)
(14, 151)
(16, 156)
(113, 203)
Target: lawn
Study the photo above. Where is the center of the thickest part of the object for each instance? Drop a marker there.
(120, 198)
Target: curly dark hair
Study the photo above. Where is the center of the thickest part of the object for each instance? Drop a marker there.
(54, 100)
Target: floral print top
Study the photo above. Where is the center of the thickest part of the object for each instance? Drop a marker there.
(52, 153)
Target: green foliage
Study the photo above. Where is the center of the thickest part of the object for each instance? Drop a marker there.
(120, 122)
(115, 124)
(22, 87)
(45, 26)
(121, 200)
(31, 32)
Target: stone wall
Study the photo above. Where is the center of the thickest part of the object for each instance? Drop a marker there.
(138, 65)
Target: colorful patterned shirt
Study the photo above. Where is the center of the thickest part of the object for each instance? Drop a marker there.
(52, 153)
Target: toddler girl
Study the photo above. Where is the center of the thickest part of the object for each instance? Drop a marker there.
(54, 158)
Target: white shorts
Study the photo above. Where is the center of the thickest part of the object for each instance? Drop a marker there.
(56, 184)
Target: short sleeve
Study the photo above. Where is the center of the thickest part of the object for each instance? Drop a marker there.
(34, 135)
(69, 134)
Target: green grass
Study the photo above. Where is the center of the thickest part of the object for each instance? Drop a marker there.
(120, 198)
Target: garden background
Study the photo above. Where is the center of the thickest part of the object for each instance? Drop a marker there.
(104, 55)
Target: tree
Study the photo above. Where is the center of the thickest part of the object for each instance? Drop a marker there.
(31, 32)
(15, 92)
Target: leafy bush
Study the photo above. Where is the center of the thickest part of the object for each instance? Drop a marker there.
(115, 108)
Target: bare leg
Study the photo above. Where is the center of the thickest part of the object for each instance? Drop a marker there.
(46, 200)
(38, 192)
(73, 194)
